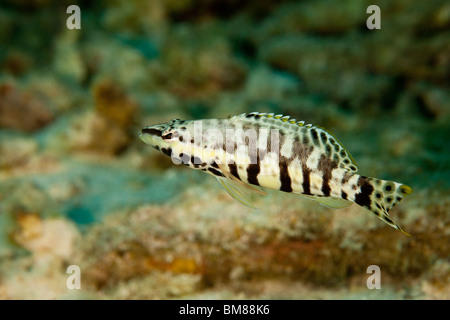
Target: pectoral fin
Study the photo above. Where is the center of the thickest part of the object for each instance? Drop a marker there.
(237, 189)
(236, 192)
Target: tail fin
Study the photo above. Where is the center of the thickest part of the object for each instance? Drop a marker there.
(385, 195)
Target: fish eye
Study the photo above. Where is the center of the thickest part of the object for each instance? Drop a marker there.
(167, 136)
(170, 135)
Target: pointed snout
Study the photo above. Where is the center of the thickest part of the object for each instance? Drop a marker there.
(149, 134)
(152, 131)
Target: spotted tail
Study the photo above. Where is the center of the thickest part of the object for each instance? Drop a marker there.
(382, 196)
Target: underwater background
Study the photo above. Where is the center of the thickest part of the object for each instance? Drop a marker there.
(78, 187)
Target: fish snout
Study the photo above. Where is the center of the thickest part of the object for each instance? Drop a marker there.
(151, 131)
(150, 134)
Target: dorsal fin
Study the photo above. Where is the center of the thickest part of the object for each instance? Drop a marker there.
(352, 166)
(346, 161)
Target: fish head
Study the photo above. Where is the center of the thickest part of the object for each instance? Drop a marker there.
(160, 135)
(172, 137)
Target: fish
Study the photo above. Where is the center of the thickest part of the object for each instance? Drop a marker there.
(252, 153)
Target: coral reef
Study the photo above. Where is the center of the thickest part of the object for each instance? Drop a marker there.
(22, 111)
(107, 130)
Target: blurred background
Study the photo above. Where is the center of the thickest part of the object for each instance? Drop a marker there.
(77, 186)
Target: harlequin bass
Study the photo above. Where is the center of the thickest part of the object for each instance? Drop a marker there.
(254, 151)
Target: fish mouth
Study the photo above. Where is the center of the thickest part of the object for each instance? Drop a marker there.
(150, 135)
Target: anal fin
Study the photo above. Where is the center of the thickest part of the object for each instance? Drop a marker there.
(329, 202)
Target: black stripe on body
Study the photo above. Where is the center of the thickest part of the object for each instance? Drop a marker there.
(255, 154)
(306, 183)
(344, 195)
(326, 187)
(285, 179)
(252, 173)
(251, 137)
(363, 197)
(326, 165)
(302, 150)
